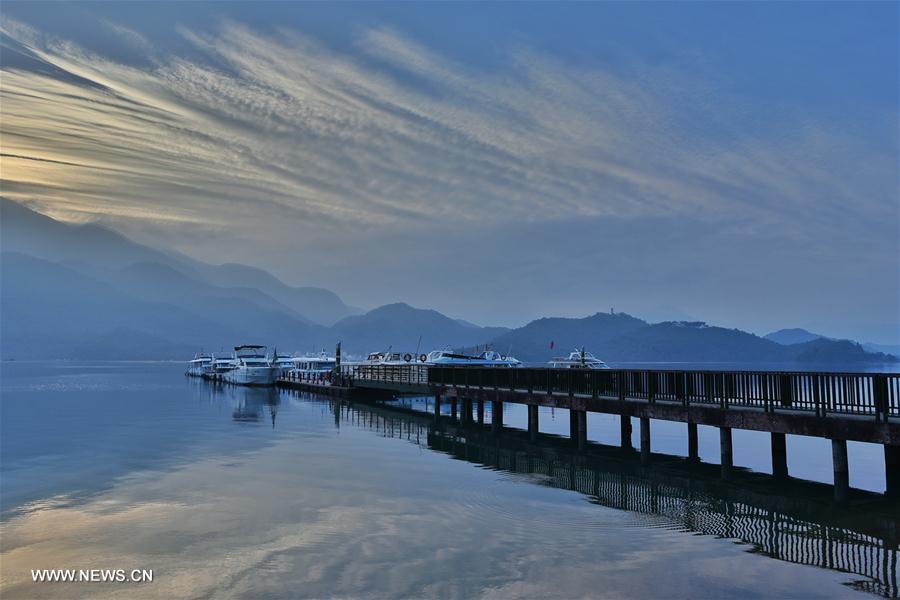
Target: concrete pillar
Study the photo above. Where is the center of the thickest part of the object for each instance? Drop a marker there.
(693, 444)
(645, 440)
(892, 470)
(581, 422)
(481, 412)
(625, 423)
(496, 416)
(453, 413)
(573, 426)
(841, 471)
(437, 407)
(779, 456)
(727, 456)
(533, 424)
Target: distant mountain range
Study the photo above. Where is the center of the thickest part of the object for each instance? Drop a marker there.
(800, 336)
(86, 292)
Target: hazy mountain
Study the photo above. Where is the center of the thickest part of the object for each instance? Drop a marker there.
(797, 335)
(532, 342)
(400, 325)
(318, 304)
(792, 336)
(48, 310)
(103, 254)
(621, 337)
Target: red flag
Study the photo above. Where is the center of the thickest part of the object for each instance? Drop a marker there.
(551, 344)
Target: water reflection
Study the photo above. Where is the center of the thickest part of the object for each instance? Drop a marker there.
(795, 522)
(250, 403)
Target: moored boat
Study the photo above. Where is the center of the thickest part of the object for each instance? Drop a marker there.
(578, 359)
(252, 366)
(199, 365)
(488, 358)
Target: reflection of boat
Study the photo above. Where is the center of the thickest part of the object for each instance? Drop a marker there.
(252, 366)
(249, 403)
(579, 359)
(488, 358)
(199, 366)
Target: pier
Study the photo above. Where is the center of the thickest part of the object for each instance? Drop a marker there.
(840, 407)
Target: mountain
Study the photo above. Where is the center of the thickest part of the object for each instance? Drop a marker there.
(400, 326)
(796, 335)
(532, 342)
(793, 336)
(106, 255)
(623, 338)
(48, 310)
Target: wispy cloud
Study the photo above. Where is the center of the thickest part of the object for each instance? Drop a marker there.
(277, 137)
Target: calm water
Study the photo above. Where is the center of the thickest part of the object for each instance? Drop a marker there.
(230, 492)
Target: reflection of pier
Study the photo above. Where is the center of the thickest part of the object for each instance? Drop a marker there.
(793, 520)
(837, 406)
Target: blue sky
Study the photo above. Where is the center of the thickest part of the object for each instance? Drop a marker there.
(735, 162)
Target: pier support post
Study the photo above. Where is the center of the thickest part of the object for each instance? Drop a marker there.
(841, 471)
(779, 456)
(437, 407)
(496, 416)
(693, 444)
(467, 411)
(626, 432)
(453, 402)
(481, 412)
(573, 426)
(645, 440)
(726, 452)
(892, 470)
(533, 424)
(581, 428)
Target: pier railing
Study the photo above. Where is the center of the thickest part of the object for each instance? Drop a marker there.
(868, 394)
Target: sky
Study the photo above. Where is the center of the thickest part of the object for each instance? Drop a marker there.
(730, 162)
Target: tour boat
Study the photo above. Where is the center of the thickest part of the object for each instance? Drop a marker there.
(219, 366)
(252, 366)
(579, 359)
(488, 358)
(389, 358)
(200, 365)
(317, 367)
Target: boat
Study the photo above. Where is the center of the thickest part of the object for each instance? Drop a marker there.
(578, 359)
(219, 366)
(389, 358)
(312, 367)
(488, 358)
(200, 365)
(252, 366)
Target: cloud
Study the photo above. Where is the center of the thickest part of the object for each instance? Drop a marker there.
(282, 141)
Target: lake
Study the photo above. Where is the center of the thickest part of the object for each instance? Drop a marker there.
(233, 492)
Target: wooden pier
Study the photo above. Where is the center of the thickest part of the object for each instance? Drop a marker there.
(840, 407)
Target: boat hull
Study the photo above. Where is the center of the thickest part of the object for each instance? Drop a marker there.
(252, 376)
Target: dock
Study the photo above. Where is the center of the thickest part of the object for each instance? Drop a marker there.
(840, 407)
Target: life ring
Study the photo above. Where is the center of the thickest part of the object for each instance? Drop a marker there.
(423, 357)
(407, 357)
(502, 357)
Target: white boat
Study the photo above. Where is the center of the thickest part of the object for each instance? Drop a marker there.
(252, 366)
(199, 366)
(219, 366)
(312, 367)
(579, 359)
(389, 358)
(488, 358)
